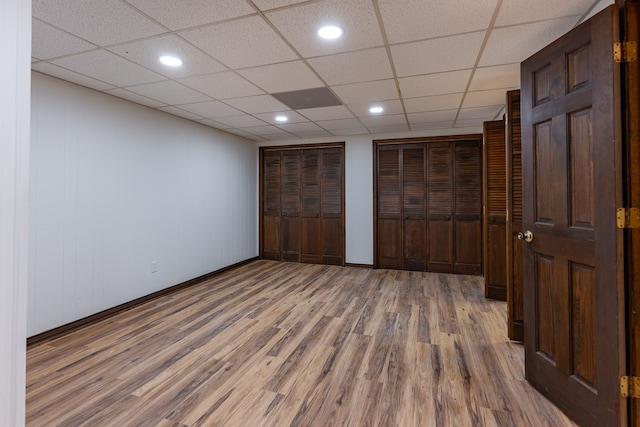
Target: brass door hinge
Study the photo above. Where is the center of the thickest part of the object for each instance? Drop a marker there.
(625, 52)
(628, 218)
(630, 386)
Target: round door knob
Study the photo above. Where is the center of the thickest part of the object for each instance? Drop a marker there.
(527, 236)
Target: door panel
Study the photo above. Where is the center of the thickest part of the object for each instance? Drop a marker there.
(311, 233)
(413, 196)
(515, 300)
(271, 192)
(574, 348)
(291, 205)
(440, 194)
(495, 202)
(389, 199)
(468, 207)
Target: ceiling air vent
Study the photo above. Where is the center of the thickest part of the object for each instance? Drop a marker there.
(307, 98)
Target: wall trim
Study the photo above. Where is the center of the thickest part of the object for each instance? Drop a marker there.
(350, 264)
(110, 312)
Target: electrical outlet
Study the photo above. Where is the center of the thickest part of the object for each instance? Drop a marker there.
(154, 266)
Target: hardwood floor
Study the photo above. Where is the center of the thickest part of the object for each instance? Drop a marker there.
(280, 344)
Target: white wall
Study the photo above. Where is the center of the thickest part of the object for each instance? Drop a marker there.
(359, 185)
(115, 186)
(15, 45)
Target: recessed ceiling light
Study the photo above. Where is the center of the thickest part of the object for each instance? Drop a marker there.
(330, 32)
(171, 61)
(376, 110)
(281, 118)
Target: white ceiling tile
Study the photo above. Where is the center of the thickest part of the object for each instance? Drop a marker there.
(300, 127)
(49, 42)
(179, 14)
(211, 109)
(518, 11)
(267, 131)
(397, 119)
(409, 20)
(180, 113)
(270, 77)
(432, 125)
(327, 113)
(300, 25)
(70, 76)
(213, 124)
(353, 67)
(433, 56)
(134, 97)
(169, 92)
(292, 117)
(501, 76)
(361, 109)
(247, 42)
(273, 4)
(484, 98)
(257, 104)
(388, 129)
(339, 124)
(433, 103)
(515, 44)
(148, 51)
(352, 131)
(432, 116)
(240, 121)
(485, 113)
(472, 123)
(108, 67)
(434, 84)
(226, 84)
(244, 134)
(365, 92)
(102, 22)
(313, 134)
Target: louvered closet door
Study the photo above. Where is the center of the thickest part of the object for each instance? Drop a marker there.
(495, 178)
(291, 205)
(440, 197)
(271, 192)
(468, 208)
(413, 206)
(311, 221)
(332, 203)
(389, 233)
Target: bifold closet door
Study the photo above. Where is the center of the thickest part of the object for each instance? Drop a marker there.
(303, 204)
(440, 206)
(468, 207)
(401, 207)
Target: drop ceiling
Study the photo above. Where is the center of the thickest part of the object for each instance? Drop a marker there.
(431, 64)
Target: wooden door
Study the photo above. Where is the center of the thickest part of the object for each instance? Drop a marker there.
(495, 203)
(332, 206)
(271, 192)
(574, 315)
(468, 207)
(291, 169)
(302, 204)
(631, 107)
(440, 199)
(515, 289)
(401, 238)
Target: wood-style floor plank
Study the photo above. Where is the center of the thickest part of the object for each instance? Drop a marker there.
(285, 344)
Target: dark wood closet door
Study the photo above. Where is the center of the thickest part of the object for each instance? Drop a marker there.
(271, 192)
(332, 206)
(389, 233)
(515, 297)
(291, 205)
(468, 207)
(495, 202)
(573, 280)
(440, 205)
(311, 221)
(414, 225)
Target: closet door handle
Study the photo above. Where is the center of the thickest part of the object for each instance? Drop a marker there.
(284, 214)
